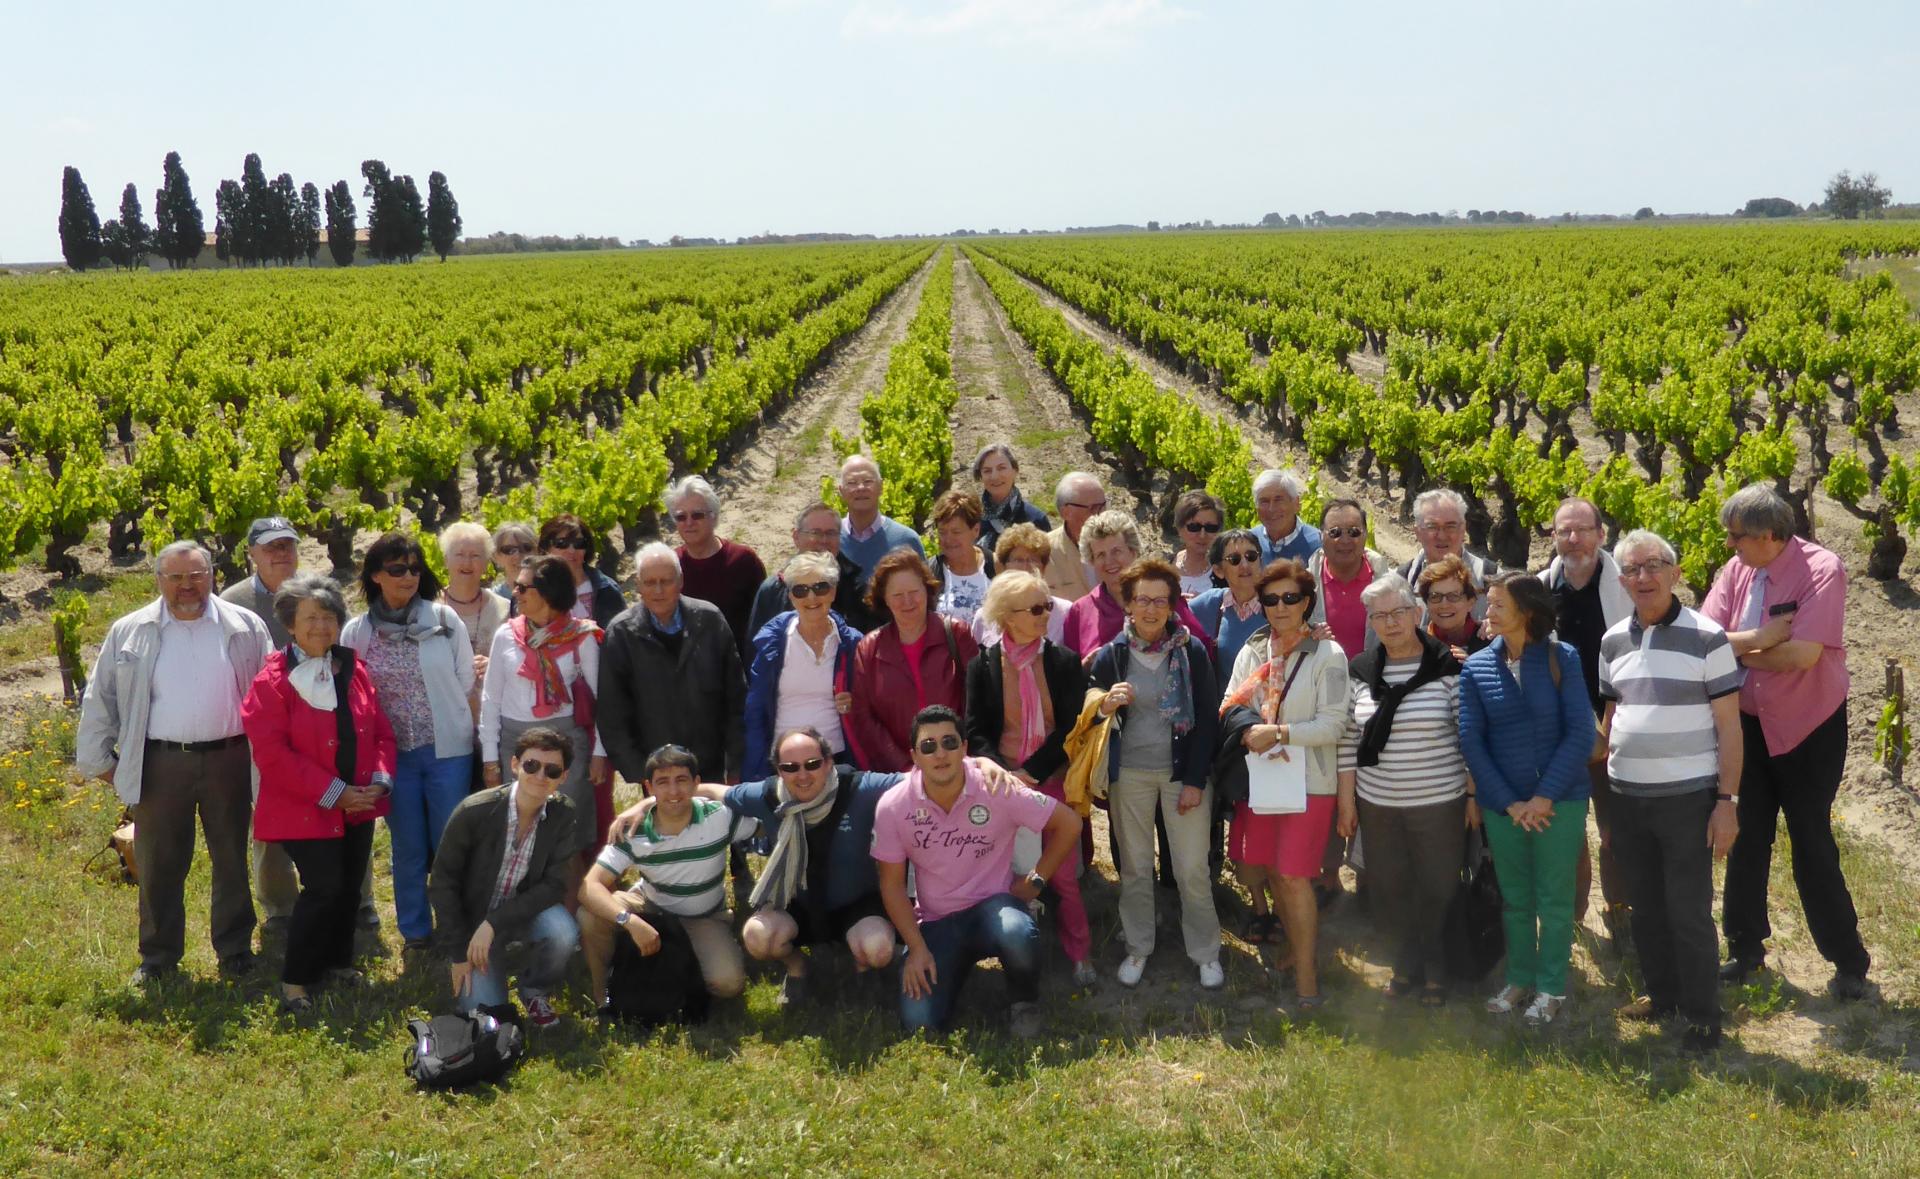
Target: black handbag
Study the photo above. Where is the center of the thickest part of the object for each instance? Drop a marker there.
(1476, 938)
(647, 990)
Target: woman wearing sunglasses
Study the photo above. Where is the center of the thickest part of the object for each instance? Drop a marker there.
(1289, 689)
(1160, 690)
(1023, 695)
(1198, 520)
(542, 672)
(802, 670)
(512, 544)
(595, 595)
(1230, 613)
(417, 651)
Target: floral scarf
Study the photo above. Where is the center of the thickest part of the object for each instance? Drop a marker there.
(541, 650)
(1267, 676)
(1176, 702)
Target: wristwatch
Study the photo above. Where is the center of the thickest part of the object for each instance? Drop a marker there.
(1726, 798)
(625, 916)
(1038, 881)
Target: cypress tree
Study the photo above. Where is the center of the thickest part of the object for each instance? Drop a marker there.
(283, 214)
(443, 215)
(133, 228)
(79, 225)
(340, 223)
(410, 233)
(230, 224)
(253, 225)
(308, 222)
(180, 232)
(381, 214)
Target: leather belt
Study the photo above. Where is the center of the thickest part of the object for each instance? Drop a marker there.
(197, 746)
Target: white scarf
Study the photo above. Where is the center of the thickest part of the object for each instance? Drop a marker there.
(786, 867)
(313, 679)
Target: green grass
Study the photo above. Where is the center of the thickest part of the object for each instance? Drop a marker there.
(108, 598)
(204, 1077)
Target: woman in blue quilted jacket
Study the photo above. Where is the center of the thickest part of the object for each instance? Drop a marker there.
(1526, 729)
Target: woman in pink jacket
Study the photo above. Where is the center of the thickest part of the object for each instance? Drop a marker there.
(325, 753)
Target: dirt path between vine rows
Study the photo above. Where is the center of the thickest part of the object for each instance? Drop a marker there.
(764, 485)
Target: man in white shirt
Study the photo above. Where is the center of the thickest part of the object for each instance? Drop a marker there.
(161, 723)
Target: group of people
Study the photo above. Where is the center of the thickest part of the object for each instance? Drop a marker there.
(863, 711)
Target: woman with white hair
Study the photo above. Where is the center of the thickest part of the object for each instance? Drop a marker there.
(1402, 781)
(1110, 542)
(724, 572)
(513, 542)
(802, 670)
(464, 550)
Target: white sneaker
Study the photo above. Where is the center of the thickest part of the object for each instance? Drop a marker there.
(1544, 1007)
(1130, 971)
(1084, 975)
(1213, 976)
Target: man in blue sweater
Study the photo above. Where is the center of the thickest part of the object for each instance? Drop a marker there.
(865, 534)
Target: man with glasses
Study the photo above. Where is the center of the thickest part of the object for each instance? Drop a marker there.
(1672, 726)
(867, 535)
(724, 572)
(959, 839)
(1440, 524)
(1283, 534)
(1344, 566)
(160, 723)
(1590, 597)
(273, 550)
(816, 530)
(501, 876)
(1782, 601)
(1079, 497)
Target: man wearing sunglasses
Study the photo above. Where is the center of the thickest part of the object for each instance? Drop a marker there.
(1344, 567)
(724, 572)
(1079, 497)
(966, 906)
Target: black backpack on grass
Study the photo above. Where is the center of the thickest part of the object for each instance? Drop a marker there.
(454, 1051)
(647, 990)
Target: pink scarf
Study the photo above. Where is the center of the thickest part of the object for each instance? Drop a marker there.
(1025, 662)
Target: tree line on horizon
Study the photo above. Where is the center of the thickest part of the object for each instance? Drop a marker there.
(258, 221)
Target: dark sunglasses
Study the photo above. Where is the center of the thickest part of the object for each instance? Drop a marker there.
(1351, 533)
(1197, 526)
(819, 589)
(1042, 610)
(794, 767)
(949, 743)
(403, 570)
(1241, 558)
(520, 587)
(1291, 598)
(551, 771)
(568, 542)
(514, 550)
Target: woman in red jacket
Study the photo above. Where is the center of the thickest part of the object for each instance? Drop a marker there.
(325, 753)
(918, 658)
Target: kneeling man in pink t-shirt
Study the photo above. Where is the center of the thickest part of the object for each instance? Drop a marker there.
(967, 905)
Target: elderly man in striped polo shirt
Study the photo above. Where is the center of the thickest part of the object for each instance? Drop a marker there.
(1672, 687)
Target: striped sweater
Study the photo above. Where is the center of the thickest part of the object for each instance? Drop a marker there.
(685, 873)
(1421, 762)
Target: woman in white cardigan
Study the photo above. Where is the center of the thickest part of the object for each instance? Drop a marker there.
(1297, 686)
(417, 652)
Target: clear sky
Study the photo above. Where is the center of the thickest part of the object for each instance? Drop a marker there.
(709, 118)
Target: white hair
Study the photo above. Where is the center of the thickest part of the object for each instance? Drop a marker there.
(1064, 489)
(1439, 495)
(1641, 538)
(655, 551)
(177, 548)
(1380, 587)
(461, 530)
(1287, 481)
(698, 488)
(805, 568)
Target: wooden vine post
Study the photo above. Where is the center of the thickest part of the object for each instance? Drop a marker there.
(1892, 740)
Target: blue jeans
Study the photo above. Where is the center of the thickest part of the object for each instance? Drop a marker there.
(549, 943)
(425, 791)
(998, 927)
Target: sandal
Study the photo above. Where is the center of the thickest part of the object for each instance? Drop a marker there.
(1308, 1004)
(1263, 929)
(1433, 995)
(1508, 999)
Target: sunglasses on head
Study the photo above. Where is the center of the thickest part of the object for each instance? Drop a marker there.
(1352, 533)
(552, 771)
(398, 570)
(819, 589)
(1290, 597)
(1197, 526)
(568, 542)
(929, 745)
(1241, 558)
(794, 767)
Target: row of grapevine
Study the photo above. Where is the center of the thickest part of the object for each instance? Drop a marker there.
(187, 404)
(1663, 340)
(905, 425)
(1146, 428)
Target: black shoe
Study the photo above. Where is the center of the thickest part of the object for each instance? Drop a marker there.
(1736, 970)
(1847, 988)
(1699, 1040)
(420, 944)
(146, 976)
(369, 919)
(275, 927)
(236, 966)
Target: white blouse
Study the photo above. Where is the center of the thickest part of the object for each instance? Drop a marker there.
(804, 695)
(505, 693)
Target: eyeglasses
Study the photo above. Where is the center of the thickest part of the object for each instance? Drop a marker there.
(398, 570)
(1382, 617)
(1241, 558)
(568, 542)
(1650, 568)
(949, 743)
(1099, 506)
(1574, 531)
(794, 767)
(193, 578)
(514, 550)
(1450, 597)
(1038, 611)
(1354, 533)
(1158, 603)
(1449, 527)
(1290, 598)
(683, 517)
(859, 481)
(1196, 527)
(547, 769)
(821, 589)
(817, 533)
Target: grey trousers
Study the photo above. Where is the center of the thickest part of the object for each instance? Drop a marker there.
(1413, 870)
(174, 786)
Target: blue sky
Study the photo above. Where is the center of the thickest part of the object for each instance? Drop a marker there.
(718, 119)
